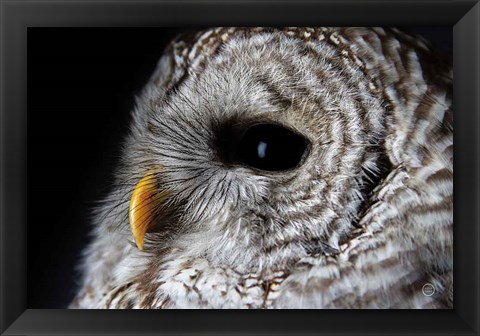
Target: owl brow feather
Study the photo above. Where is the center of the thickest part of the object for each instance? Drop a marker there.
(178, 117)
(189, 122)
(184, 142)
(191, 105)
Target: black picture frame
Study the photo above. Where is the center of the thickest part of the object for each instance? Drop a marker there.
(17, 15)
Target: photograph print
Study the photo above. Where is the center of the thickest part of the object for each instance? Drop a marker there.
(283, 168)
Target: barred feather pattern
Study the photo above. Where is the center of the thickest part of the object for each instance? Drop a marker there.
(365, 222)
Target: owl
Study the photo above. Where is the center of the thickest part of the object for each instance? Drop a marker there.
(282, 168)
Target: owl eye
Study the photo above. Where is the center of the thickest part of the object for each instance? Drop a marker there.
(271, 147)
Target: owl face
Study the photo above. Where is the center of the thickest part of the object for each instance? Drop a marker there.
(282, 168)
(260, 152)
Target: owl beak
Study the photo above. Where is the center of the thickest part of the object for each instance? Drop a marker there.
(145, 204)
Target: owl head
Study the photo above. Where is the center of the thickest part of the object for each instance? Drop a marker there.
(282, 167)
(250, 147)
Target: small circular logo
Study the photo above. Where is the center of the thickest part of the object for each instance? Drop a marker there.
(428, 289)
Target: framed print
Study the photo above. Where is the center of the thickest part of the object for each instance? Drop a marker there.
(304, 173)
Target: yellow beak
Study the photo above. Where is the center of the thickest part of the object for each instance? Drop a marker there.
(144, 206)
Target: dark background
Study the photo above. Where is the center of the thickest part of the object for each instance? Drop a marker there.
(81, 88)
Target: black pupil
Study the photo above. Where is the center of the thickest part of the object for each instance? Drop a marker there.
(271, 147)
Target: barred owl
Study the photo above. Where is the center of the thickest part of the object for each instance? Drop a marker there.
(282, 168)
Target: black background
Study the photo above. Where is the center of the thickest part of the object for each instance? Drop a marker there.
(81, 87)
